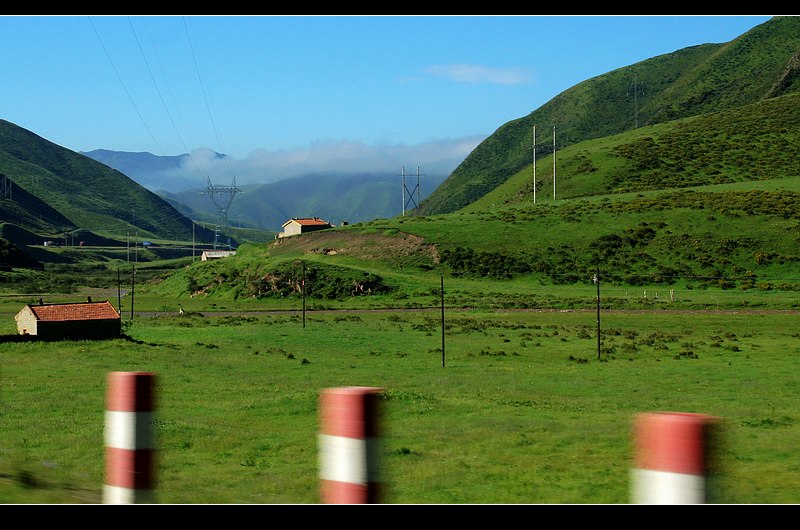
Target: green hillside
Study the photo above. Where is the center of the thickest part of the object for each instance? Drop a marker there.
(755, 142)
(707, 202)
(699, 188)
(758, 65)
(54, 192)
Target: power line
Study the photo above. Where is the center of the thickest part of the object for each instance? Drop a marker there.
(161, 98)
(222, 210)
(205, 98)
(125, 88)
(212, 190)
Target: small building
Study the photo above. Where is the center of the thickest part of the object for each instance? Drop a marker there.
(301, 225)
(216, 254)
(78, 321)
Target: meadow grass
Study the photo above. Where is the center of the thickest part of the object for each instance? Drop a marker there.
(518, 409)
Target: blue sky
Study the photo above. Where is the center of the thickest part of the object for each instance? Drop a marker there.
(285, 94)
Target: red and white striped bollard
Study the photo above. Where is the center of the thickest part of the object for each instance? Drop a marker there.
(130, 447)
(674, 455)
(349, 445)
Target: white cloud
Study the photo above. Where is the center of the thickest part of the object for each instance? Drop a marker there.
(473, 73)
(262, 166)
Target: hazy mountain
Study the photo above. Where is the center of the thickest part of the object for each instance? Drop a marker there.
(350, 198)
(336, 197)
(141, 166)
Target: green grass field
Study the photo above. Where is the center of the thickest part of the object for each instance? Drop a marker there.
(522, 412)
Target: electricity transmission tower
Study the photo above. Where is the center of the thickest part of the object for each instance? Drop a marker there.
(408, 195)
(228, 193)
(5, 187)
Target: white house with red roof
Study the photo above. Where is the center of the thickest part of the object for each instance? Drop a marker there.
(301, 225)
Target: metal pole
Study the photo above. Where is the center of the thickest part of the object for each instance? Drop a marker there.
(419, 199)
(403, 188)
(303, 284)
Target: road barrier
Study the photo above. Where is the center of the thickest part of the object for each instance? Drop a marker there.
(673, 460)
(130, 448)
(675, 452)
(349, 442)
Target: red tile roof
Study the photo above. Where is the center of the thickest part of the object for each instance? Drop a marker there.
(76, 311)
(307, 221)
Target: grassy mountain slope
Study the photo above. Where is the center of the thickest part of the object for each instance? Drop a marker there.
(54, 191)
(760, 141)
(711, 201)
(760, 64)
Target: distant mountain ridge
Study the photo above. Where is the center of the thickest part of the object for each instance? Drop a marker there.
(335, 196)
(137, 165)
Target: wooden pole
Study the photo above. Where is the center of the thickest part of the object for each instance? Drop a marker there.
(597, 280)
(442, 291)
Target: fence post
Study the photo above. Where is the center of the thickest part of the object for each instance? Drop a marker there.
(674, 457)
(130, 448)
(349, 445)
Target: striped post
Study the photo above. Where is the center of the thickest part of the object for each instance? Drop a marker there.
(673, 458)
(349, 445)
(130, 448)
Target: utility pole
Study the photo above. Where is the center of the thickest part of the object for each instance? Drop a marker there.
(597, 281)
(636, 91)
(554, 163)
(135, 238)
(534, 164)
(442, 291)
(635, 103)
(133, 282)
